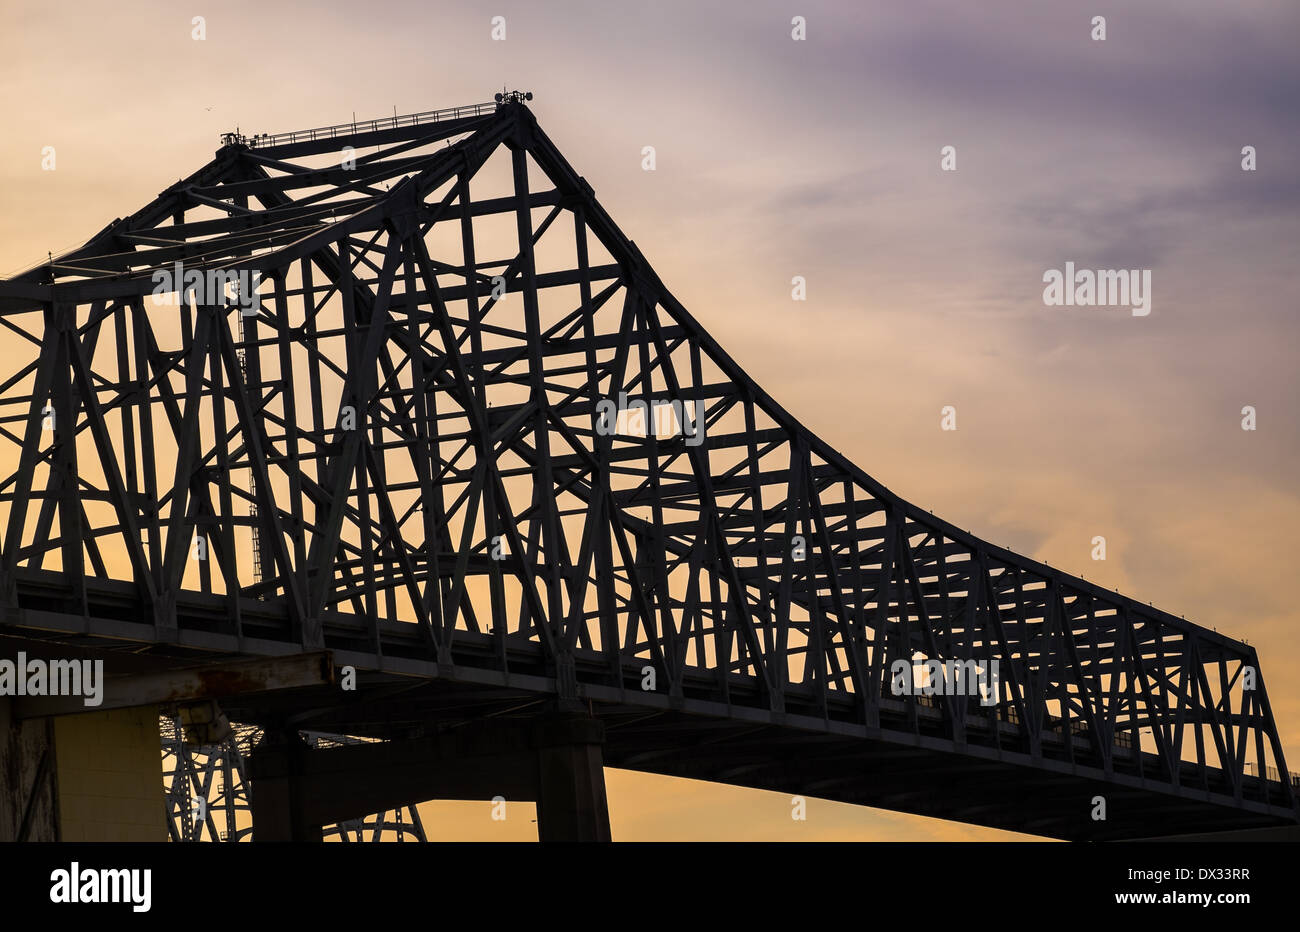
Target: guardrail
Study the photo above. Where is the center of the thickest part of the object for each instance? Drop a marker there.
(264, 140)
(1272, 774)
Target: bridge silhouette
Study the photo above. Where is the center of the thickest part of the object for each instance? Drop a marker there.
(465, 482)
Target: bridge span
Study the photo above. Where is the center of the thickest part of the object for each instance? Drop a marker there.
(387, 431)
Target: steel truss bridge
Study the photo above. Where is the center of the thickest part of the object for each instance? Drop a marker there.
(397, 453)
(208, 787)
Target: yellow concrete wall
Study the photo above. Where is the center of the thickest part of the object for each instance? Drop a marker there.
(110, 776)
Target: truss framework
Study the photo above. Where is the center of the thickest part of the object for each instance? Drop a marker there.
(408, 442)
(216, 775)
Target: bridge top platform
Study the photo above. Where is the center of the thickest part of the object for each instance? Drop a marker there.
(341, 130)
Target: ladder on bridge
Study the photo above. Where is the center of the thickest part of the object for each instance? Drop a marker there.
(254, 522)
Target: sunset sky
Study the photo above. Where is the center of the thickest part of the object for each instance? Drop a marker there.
(821, 158)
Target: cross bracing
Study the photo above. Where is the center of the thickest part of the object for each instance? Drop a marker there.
(405, 457)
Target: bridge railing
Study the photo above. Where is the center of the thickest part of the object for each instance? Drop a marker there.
(1272, 774)
(265, 140)
(1120, 738)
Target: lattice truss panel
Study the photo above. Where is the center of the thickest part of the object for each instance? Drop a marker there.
(411, 439)
(206, 791)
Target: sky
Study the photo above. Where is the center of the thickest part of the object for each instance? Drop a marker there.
(821, 158)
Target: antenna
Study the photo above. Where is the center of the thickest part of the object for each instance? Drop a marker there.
(511, 97)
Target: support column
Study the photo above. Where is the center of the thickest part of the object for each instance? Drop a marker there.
(571, 803)
(29, 808)
(554, 760)
(277, 792)
(89, 777)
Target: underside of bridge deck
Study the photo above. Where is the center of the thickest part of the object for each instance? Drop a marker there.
(441, 736)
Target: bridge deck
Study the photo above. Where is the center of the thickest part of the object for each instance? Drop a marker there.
(401, 447)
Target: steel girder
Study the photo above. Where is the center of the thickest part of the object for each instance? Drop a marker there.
(413, 438)
(216, 775)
